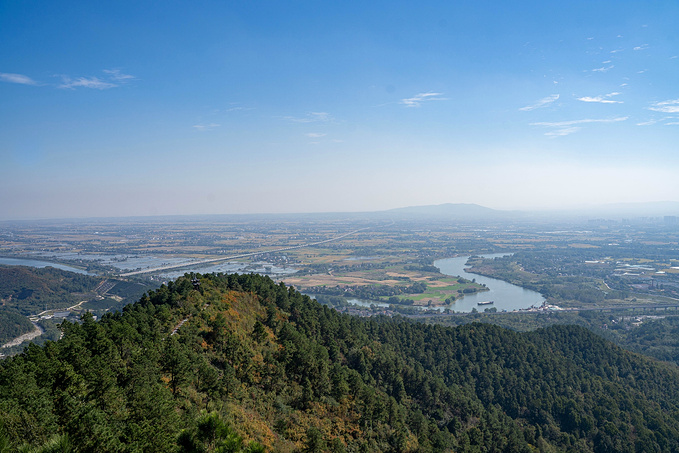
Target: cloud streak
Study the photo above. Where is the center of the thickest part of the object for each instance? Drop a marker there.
(563, 128)
(647, 123)
(114, 78)
(670, 106)
(115, 74)
(544, 102)
(605, 99)
(562, 132)
(206, 127)
(603, 69)
(86, 82)
(311, 117)
(17, 78)
(583, 121)
(419, 99)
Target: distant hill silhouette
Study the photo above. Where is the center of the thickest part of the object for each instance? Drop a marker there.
(445, 211)
(471, 211)
(448, 210)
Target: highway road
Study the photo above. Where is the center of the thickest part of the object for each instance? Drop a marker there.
(243, 255)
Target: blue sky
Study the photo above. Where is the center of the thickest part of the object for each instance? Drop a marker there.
(152, 108)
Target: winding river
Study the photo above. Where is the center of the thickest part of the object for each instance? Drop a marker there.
(505, 295)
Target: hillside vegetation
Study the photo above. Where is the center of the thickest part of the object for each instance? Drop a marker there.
(26, 291)
(31, 290)
(12, 324)
(256, 366)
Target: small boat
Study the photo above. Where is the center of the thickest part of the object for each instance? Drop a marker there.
(490, 302)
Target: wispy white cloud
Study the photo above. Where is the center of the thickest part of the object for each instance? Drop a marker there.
(670, 106)
(544, 102)
(562, 132)
(238, 109)
(603, 69)
(667, 120)
(206, 127)
(115, 74)
(647, 123)
(562, 128)
(315, 135)
(418, 99)
(312, 117)
(605, 99)
(17, 78)
(673, 123)
(641, 47)
(235, 107)
(86, 82)
(113, 78)
(583, 121)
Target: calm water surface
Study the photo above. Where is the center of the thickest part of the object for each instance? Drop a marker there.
(37, 263)
(505, 295)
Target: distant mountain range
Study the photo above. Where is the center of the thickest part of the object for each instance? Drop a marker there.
(470, 211)
(445, 211)
(454, 209)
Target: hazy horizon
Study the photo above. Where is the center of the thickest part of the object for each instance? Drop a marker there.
(605, 211)
(133, 109)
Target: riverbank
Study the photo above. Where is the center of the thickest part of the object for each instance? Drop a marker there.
(450, 289)
(506, 296)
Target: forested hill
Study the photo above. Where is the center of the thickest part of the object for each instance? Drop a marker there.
(26, 291)
(256, 366)
(31, 290)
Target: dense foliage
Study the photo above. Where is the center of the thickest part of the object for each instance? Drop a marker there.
(654, 333)
(32, 290)
(255, 365)
(12, 325)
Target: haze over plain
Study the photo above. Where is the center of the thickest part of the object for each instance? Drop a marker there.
(135, 108)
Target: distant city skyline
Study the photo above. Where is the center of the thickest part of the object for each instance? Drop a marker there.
(140, 109)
